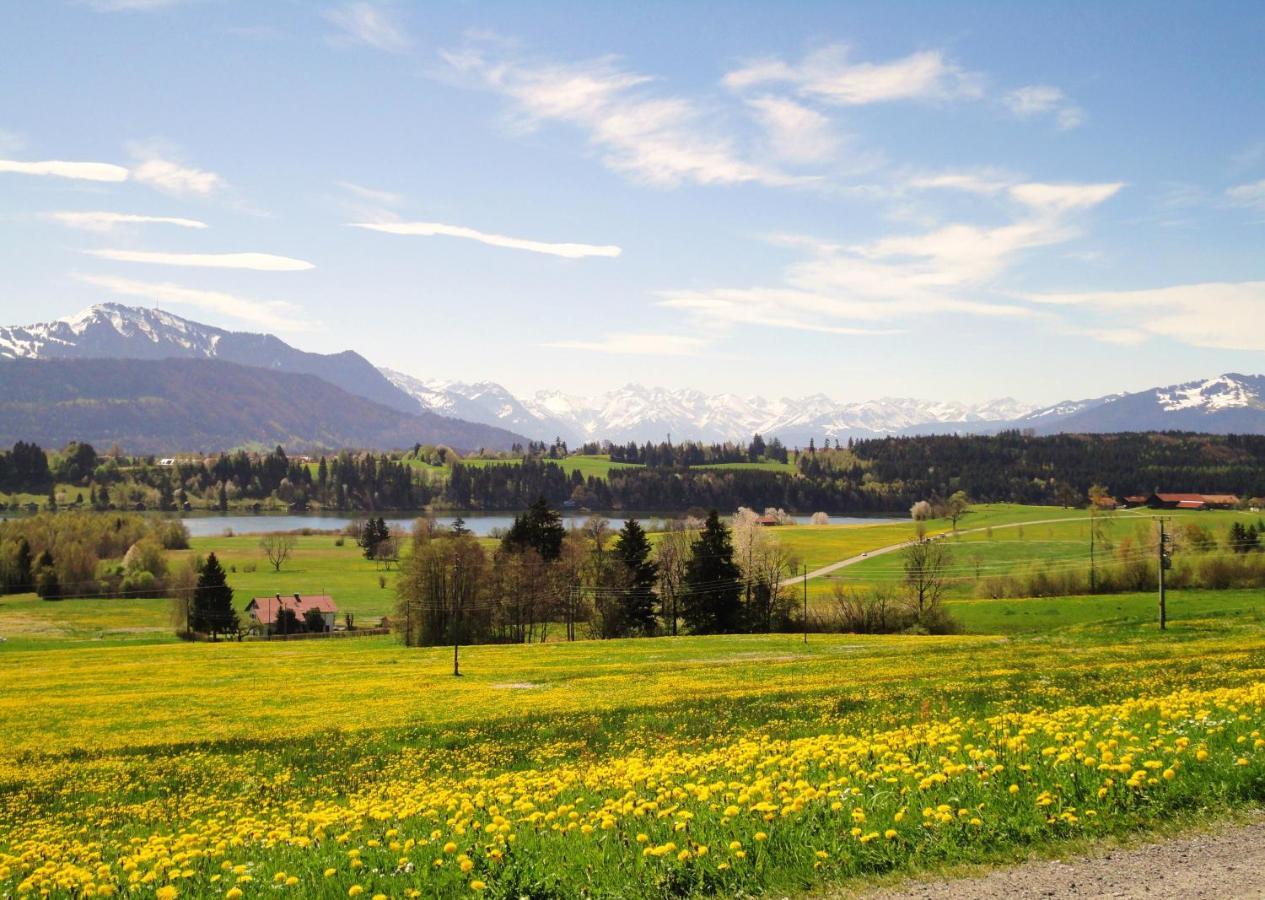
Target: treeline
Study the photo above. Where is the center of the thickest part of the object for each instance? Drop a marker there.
(702, 577)
(692, 453)
(353, 481)
(78, 554)
(511, 487)
(25, 469)
(1059, 469)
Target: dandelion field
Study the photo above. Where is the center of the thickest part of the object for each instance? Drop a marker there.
(664, 767)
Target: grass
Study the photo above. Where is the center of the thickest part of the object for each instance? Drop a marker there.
(1119, 611)
(644, 768)
(592, 466)
(787, 468)
(316, 566)
(29, 623)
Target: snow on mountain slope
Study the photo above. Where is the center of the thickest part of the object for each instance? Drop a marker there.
(638, 413)
(115, 331)
(1223, 392)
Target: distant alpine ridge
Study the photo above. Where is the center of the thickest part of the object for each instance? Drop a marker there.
(1225, 404)
(487, 414)
(115, 331)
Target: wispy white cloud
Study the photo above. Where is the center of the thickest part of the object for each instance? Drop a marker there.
(259, 262)
(132, 5)
(108, 221)
(797, 134)
(1043, 99)
(650, 138)
(984, 183)
(1059, 198)
(1222, 315)
(371, 25)
(624, 343)
(373, 195)
(176, 179)
(432, 229)
(274, 315)
(861, 288)
(830, 76)
(85, 171)
(1251, 195)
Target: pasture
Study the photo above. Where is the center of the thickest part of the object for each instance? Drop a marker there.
(672, 766)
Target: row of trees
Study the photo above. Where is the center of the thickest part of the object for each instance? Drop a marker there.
(703, 577)
(79, 554)
(1059, 469)
(692, 453)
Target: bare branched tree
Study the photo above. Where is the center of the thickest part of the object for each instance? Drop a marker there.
(277, 548)
(926, 562)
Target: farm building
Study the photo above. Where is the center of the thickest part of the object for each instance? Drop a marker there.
(264, 611)
(1159, 500)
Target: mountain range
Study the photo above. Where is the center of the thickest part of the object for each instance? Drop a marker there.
(486, 414)
(1229, 403)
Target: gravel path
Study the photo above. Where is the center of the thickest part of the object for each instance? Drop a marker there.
(1229, 862)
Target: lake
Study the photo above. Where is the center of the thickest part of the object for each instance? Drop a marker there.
(480, 523)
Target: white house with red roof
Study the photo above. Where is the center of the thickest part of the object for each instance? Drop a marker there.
(264, 611)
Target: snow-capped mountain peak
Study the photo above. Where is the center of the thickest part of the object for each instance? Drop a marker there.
(1231, 391)
(635, 412)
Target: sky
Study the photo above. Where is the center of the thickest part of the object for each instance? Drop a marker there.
(956, 201)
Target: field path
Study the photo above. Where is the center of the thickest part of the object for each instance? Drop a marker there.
(892, 548)
(1228, 862)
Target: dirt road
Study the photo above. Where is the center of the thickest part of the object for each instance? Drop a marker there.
(1225, 863)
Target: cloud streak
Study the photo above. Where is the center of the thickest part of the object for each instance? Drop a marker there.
(108, 221)
(1197, 314)
(176, 179)
(274, 315)
(370, 25)
(829, 75)
(624, 343)
(259, 262)
(662, 141)
(1043, 99)
(861, 288)
(433, 229)
(83, 171)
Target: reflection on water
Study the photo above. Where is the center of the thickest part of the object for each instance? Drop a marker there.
(479, 523)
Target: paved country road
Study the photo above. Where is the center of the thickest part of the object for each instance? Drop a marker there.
(1228, 862)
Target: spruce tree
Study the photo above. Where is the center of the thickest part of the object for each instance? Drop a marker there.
(45, 577)
(22, 567)
(540, 529)
(212, 611)
(632, 549)
(712, 588)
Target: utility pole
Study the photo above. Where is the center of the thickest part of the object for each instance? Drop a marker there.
(1165, 562)
(805, 603)
(1093, 527)
(456, 617)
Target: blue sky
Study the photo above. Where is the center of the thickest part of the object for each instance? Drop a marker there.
(957, 201)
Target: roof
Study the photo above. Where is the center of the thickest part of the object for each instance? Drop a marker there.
(266, 608)
(1226, 499)
(1191, 504)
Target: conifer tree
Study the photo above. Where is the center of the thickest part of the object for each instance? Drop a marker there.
(712, 589)
(212, 610)
(632, 549)
(22, 567)
(540, 529)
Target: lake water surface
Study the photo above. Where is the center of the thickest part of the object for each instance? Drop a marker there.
(480, 523)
